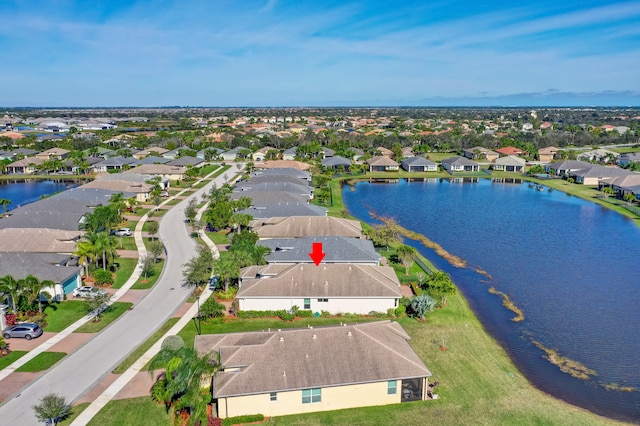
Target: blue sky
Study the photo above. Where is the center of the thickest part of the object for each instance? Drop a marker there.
(319, 53)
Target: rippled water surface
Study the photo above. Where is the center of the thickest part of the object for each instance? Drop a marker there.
(28, 191)
(570, 265)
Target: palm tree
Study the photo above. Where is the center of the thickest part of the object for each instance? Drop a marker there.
(180, 386)
(441, 285)
(226, 269)
(33, 289)
(87, 254)
(4, 202)
(14, 287)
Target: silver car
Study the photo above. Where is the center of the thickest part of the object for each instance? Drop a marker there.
(27, 330)
(88, 292)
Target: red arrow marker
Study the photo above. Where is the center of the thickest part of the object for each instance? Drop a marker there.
(316, 253)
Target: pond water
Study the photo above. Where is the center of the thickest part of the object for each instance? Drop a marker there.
(22, 192)
(570, 265)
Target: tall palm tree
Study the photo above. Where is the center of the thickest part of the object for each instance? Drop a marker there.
(33, 289)
(87, 254)
(4, 202)
(14, 287)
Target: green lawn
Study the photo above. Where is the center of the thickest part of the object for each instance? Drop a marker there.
(127, 266)
(145, 226)
(115, 310)
(75, 412)
(174, 202)
(126, 243)
(143, 284)
(218, 237)
(140, 350)
(62, 315)
(9, 359)
(205, 170)
(42, 361)
(132, 412)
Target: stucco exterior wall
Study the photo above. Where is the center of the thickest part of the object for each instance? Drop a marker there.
(334, 306)
(334, 398)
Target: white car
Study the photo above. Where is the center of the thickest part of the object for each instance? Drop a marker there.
(88, 292)
(122, 232)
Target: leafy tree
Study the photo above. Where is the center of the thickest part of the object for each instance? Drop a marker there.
(227, 269)
(629, 197)
(197, 271)
(148, 265)
(14, 287)
(97, 304)
(180, 385)
(239, 220)
(440, 285)
(156, 248)
(407, 255)
(607, 190)
(422, 304)
(152, 227)
(52, 408)
(218, 214)
(191, 210)
(384, 235)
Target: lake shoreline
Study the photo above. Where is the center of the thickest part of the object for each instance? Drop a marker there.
(340, 209)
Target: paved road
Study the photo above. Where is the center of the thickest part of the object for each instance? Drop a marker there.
(84, 368)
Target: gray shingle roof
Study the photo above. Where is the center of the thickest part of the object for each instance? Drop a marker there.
(417, 161)
(260, 198)
(297, 189)
(186, 161)
(336, 161)
(459, 161)
(44, 266)
(284, 209)
(305, 226)
(337, 249)
(304, 358)
(301, 174)
(151, 160)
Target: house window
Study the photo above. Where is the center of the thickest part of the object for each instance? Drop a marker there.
(392, 387)
(311, 396)
(323, 300)
(307, 303)
(273, 396)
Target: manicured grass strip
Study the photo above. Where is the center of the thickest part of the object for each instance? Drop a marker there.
(8, 359)
(62, 315)
(174, 202)
(75, 412)
(218, 237)
(133, 411)
(126, 243)
(150, 281)
(42, 361)
(205, 170)
(106, 318)
(127, 266)
(140, 350)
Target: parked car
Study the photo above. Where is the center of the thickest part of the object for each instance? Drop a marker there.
(27, 330)
(122, 232)
(164, 194)
(213, 282)
(88, 292)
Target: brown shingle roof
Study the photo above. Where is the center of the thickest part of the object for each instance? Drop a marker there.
(38, 240)
(306, 226)
(311, 357)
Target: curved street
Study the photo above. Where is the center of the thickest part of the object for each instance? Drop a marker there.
(84, 368)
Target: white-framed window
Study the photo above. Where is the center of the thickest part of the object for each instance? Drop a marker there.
(311, 396)
(307, 304)
(392, 387)
(273, 396)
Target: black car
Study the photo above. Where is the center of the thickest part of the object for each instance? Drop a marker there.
(28, 330)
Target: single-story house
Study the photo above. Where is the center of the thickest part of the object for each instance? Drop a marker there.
(232, 154)
(152, 150)
(510, 163)
(261, 153)
(62, 269)
(289, 154)
(25, 152)
(336, 249)
(384, 152)
(114, 163)
(592, 175)
(303, 370)
(185, 161)
(382, 164)
(260, 198)
(57, 153)
(165, 171)
(631, 157)
(629, 184)
(419, 164)
(26, 166)
(301, 189)
(510, 150)
(337, 162)
(480, 153)
(599, 155)
(306, 226)
(152, 159)
(563, 168)
(460, 164)
(39, 240)
(284, 209)
(284, 164)
(547, 154)
(142, 190)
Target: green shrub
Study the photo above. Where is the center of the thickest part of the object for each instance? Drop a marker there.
(305, 313)
(391, 312)
(325, 314)
(211, 308)
(286, 316)
(103, 277)
(173, 343)
(249, 418)
(227, 295)
(377, 314)
(400, 310)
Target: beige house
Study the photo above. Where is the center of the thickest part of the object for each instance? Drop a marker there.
(333, 287)
(385, 152)
(142, 190)
(25, 166)
(304, 370)
(510, 163)
(149, 151)
(382, 164)
(165, 171)
(306, 226)
(548, 154)
(53, 153)
(481, 153)
(39, 240)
